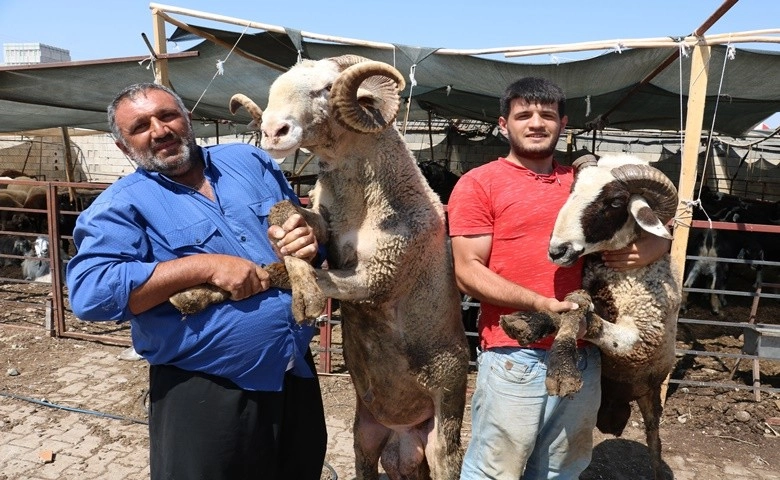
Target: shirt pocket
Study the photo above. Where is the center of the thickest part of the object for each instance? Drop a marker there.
(192, 238)
(262, 208)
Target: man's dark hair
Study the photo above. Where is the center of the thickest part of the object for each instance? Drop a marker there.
(533, 90)
(132, 92)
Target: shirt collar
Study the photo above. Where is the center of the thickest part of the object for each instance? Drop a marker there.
(545, 178)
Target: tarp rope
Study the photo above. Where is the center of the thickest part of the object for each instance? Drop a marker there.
(730, 54)
(220, 69)
(412, 83)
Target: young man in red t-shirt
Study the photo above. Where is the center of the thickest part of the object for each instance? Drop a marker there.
(500, 219)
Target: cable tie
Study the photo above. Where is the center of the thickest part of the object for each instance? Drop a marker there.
(411, 75)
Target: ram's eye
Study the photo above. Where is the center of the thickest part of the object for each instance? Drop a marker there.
(616, 203)
(324, 91)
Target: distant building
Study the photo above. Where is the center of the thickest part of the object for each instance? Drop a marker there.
(33, 53)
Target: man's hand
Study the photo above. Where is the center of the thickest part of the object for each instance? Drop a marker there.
(646, 250)
(295, 237)
(240, 277)
(545, 304)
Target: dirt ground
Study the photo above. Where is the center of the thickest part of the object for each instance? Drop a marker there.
(710, 421)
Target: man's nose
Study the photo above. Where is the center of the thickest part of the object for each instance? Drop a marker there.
(158, 127)
(536, 120)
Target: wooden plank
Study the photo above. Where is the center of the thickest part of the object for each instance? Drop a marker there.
(161, 47)
(697, 96)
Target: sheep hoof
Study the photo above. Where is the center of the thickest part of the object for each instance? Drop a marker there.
(528, 327)
(561, 385)
(197, 298)
(280, 212)
(308, 301)
(563, 376)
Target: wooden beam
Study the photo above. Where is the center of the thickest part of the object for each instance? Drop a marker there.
(161, 47)
(697, 96)
(68, 162)
(760, 36)
(217, 41)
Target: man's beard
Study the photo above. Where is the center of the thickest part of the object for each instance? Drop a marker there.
(170, 166)
(539, 152)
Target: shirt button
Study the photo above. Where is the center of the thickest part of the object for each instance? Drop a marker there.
(243, 238)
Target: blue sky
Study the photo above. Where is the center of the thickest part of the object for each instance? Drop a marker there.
(92, 29)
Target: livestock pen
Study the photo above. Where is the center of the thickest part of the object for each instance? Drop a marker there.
(739, 343)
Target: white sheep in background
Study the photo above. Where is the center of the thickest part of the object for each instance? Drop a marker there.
(40, 265)
(389, 262)
(39, 268)
(632, 315)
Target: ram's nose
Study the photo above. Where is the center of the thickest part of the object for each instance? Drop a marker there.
(563, 253)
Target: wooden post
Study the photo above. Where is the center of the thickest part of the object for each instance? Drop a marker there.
(68, 163)
(697, 96)
(161, 47)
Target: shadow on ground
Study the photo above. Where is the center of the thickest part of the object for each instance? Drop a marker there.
(621, 459)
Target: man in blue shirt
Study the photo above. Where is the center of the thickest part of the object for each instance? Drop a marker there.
(232, 388)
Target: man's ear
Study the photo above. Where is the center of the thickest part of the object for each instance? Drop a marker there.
(502, 127)
(122, 147)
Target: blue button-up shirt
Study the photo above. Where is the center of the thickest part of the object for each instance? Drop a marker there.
(146, 218)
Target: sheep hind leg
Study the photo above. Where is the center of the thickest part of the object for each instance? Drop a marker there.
(443, 450)
(651, 409)
(369, 438)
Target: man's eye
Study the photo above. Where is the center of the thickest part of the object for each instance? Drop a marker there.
(139, 129)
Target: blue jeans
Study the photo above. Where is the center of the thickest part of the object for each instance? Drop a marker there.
(520, 432)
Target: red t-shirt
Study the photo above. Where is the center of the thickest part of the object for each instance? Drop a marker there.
(518, 208)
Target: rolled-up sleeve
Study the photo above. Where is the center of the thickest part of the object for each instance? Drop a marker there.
(113, 259)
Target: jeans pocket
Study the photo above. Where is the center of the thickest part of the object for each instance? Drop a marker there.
(506, 369)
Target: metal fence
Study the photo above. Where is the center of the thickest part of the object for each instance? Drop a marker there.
(761, 335)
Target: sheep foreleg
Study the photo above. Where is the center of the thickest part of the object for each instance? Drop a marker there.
(308, 301)
(563, 376)
(195, 299)
(307, 297)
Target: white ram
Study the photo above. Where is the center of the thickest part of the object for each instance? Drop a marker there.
(632, 315)
(389, 262)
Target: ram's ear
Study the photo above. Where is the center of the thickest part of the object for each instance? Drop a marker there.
(646, 218)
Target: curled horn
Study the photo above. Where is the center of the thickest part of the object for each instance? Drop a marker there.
(240, 100)
(383, 82)
(652, 185)
(584, 161)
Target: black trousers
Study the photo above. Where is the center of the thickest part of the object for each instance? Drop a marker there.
(205, 427)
